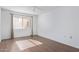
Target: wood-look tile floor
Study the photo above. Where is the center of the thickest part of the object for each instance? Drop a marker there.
(35, 44)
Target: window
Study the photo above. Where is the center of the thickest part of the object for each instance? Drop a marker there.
(21, 22)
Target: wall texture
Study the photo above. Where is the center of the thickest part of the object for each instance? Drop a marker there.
(61, 24)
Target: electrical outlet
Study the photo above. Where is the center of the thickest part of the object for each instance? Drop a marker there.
(70, 37)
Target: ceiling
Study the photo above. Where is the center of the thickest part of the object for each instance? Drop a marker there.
(46, 8)
(30, 9)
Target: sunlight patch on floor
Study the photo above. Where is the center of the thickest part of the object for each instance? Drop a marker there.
(24, 44)
(35, 41)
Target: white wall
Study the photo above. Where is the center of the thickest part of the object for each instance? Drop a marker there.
(60, 24)
(0, 24)
(35, 20)
(6, 24)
